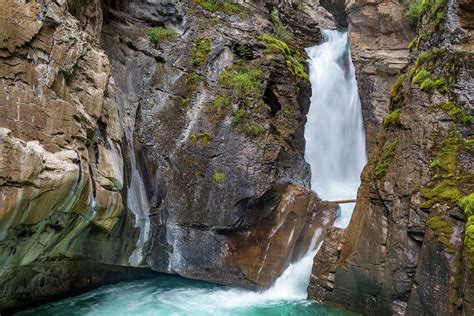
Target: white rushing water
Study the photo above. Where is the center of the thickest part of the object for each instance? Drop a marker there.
(137, 203)
(334, 133)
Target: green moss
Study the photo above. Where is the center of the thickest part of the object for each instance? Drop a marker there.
(467, 204)
(252, 129)
(421, 76)
(394, 93)
(219, 177)
(444, 166)
(441, 229)
(227, 7)
(469, 242)
(238, 116)
(220, 102)
(193, 78)
(275, 45)
(432, 9)
(443, 192)
(384, 159)
(159, 34)
(202, 138)
(392, 119)
(201, 51)
(280, 29)
(243, 80)
(293, 61)
(456, 112)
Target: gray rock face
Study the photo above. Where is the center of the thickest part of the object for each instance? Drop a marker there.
(225, 205)
(379, 36)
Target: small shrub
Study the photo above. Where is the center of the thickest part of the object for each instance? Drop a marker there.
(238, 116)
(201, 51)
(159, 34)
(252, 130)
(202, 138)
(193, 78)
(414, 12)
(219, 177)
(244, 51)
(185, 102)
(220, 102)
(456, 112)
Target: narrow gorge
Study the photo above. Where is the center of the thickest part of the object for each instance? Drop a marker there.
(208, 157)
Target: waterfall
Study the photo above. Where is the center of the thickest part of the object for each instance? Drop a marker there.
(334, 132)
(137, 202)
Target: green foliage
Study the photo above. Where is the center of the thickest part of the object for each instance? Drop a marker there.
(201, 51)
(243, 79)
(392, 119)
(433, 9)
(445, 166)
(469, 241)
(202, 138)
(220, 102)
(428, 82)
(414, 12)
(293, 61)
(384, 159)
(252, 129)
(238, 116)
(395, 94)
(244, 51)
(227, 7)
(467, 204)
(185, 102)
(456, 112)
(159, 34)
(280, 29)
(441, 229)
(421, 76)
(275, 45)
(193, 78)
(296, 67)
(219, 177)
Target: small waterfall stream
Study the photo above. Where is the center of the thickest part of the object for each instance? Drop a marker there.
(334, 133)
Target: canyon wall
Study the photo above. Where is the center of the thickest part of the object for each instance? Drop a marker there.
(124, 148)
(408, 247)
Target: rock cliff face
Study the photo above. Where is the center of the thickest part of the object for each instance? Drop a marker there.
(379, 35)
(117, 135)
(408, 248)
(219, 129)
(62, 217)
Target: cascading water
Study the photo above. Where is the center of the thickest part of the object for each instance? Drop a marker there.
(335, 150)
(137, 202)
(334, 133)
